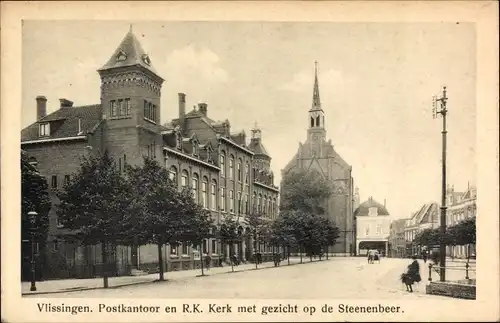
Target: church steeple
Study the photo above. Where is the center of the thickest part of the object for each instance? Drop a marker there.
(316, 113)
(316, 102)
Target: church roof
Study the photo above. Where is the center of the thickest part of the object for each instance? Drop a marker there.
(64, 122)
(129, 53)
(316, 102)
(364, 208)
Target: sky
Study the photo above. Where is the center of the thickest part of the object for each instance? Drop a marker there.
(376, 83)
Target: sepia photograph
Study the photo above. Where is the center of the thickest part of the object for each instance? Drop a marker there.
(232, 159)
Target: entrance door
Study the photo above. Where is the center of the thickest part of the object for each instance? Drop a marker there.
(134, 259)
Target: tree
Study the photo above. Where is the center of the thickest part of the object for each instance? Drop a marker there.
(307, 191)
(282, 231)
(197, 223)
(228, 234)
(34, 197)
(463, 234)
(93, 203)
(157, 209)
(255, 223)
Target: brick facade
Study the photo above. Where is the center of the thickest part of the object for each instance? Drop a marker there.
(226, 173)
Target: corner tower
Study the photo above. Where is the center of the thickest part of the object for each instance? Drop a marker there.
(130, 101)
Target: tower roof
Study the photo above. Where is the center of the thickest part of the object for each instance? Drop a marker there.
(129, 53)
(364, 208)
(316, 102)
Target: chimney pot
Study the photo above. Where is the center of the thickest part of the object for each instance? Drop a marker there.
(41, 107)
(66, 103)
(202, 107)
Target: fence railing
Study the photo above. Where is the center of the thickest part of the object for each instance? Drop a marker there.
(436, 268)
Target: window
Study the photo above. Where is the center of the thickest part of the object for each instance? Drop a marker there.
(240, 175)
(222, 162)
(121, 108)
(231, 201)
(54, 181)
(112, 108)
(373, 211)
(254, 201)
(194, 183)
(231, 167)
(214, 246)
(127, 107)
(246, 173)
(204, 193)
(173, 174)
(240, 204)
(205, 246)
(213, 200)
(195, 148)
(44, 129)
(246, 204)
(223, 198)
(184, 179)
(173, 250)
(259, 209)
(367, 231)
(185, 248)
(379, 229)
(66, 179)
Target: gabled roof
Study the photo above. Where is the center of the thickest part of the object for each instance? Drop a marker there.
(64, 122)
(129, 53)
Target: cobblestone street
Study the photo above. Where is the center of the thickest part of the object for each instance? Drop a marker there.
(335, 278)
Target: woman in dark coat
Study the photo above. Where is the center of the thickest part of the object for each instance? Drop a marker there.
(413, 273)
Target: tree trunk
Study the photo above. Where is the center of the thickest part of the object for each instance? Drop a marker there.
(201, 259)
(160, 260)
(327, 252)
(288, 254)
(300, 250)
(255, 251)
(231, 251)
(104, 263)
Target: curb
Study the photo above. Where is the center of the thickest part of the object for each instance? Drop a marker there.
(166, 280)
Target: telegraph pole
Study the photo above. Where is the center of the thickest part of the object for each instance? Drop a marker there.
(442, 246)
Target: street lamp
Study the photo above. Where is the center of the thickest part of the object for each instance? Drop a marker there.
(32, 216)
(442, 245)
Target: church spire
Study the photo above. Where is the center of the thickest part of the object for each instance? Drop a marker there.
(316, 102)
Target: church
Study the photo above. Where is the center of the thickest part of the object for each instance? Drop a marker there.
(319, 154)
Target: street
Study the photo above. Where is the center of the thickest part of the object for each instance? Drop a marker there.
(335, 278)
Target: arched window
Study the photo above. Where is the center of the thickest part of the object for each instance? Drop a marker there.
(231, 201)
(222, 198)
(317, 121)
(264, 205)
(213, 194)
(259, 205)
(240, 204)
(231, 167)
(204, 193)
(247, 179)
(312, 122)
(184, 179)
(173, 174)
(240, 170)
(222, 163)
(245, 210)
(194, 186)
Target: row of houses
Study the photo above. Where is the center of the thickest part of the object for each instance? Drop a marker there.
(228, 174)
(460, 206)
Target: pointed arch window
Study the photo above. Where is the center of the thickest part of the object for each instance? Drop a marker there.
(240, 170)
(231, 167)
(317, 121)
(184, 178)
(173, 174)
(312, 122)
(213, 192)
(247, 173)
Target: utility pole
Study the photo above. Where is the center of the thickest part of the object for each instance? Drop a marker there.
(442, 246)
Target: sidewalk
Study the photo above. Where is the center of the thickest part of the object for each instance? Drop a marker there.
(69, 285)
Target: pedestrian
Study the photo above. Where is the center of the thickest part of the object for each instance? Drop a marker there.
(208, 262)
(424, 256)
(413, 273)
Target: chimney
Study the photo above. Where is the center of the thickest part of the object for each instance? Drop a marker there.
(66, 103)
(41, 107)
(182, 109)
(202, 107)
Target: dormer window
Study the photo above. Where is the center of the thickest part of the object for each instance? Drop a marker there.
(44, 129)
(121, 56)
(146, 60)
(195, 148)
